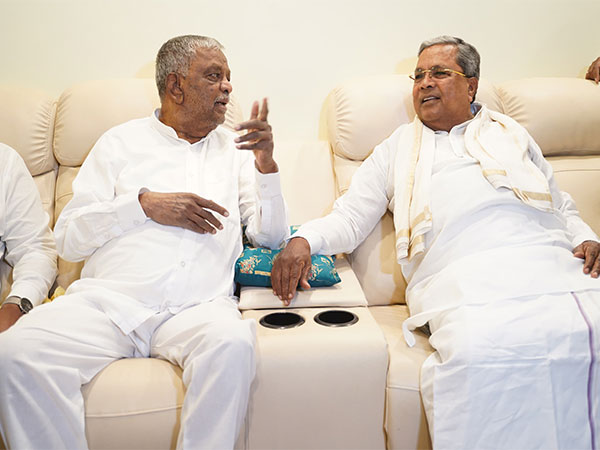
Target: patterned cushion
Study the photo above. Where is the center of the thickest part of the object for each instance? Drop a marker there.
(253, 267)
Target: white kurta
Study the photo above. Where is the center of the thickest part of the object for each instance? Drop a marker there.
(494, 284)
(26, 241)
(146, 289)
(155, 267)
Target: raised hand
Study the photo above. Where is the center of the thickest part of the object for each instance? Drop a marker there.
(259, 138)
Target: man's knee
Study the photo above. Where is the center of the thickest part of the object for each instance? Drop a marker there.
(232, 340)
(237, 337)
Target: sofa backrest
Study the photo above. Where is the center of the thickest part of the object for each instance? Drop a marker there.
(27, 125)
(561, 114)
(83, 113)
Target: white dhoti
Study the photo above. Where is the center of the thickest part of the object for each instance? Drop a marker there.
(518, 373)
(515, 322)
(51, 352)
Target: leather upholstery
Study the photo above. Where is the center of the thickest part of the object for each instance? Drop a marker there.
(27, 125)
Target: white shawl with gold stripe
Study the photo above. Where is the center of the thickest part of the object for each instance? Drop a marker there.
(487, 138)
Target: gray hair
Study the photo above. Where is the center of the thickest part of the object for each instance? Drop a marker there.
(467, 57)
(176, 55)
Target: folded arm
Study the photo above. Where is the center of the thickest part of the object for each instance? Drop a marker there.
(95, 214)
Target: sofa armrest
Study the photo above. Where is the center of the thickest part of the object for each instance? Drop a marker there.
(347, 293)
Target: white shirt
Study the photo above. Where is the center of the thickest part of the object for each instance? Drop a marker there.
(484, 242)
(26, 241)
(134, 266)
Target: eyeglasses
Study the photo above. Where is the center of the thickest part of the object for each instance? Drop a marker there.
(438, 73)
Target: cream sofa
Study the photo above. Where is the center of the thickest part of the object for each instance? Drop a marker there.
(351, 386)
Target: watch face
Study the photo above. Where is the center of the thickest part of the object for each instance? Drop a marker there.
(26, 305)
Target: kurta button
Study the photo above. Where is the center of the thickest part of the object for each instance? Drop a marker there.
(182, 263)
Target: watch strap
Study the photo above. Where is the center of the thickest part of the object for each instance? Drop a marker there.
(23, 303)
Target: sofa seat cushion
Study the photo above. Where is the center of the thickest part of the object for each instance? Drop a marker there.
(134, 403)
(406, 425)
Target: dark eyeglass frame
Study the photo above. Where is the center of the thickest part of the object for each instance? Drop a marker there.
(436, 72)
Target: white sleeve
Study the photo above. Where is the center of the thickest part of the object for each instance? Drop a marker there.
(262, 207)
(95, 215)
(579, 230)
(355, 213)
(30, 247)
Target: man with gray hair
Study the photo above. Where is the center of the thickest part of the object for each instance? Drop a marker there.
(156, 214)
(497, 261)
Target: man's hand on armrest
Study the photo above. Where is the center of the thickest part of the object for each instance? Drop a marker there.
(589, 251)
(182, 209)
(291, 265)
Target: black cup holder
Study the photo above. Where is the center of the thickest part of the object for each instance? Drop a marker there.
(336, 318)
(281, 320)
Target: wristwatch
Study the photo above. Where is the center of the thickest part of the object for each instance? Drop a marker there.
(23, 303)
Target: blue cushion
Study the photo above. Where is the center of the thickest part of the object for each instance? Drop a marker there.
(253, 267)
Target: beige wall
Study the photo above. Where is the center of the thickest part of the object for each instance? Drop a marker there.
(293, 51)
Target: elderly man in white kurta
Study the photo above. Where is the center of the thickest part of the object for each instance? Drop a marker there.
(156, 214)
(492, 253)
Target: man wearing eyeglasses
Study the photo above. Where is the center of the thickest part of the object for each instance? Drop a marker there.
(497, 260)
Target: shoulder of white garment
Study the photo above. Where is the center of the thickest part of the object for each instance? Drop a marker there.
(8, 156)
(383, 154)
(388, 147)
(12, 168)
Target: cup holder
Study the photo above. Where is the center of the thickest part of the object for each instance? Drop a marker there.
(281, 320)
(336, 318)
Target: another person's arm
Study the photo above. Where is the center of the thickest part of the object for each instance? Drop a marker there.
(30, 247)
(354, 216)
